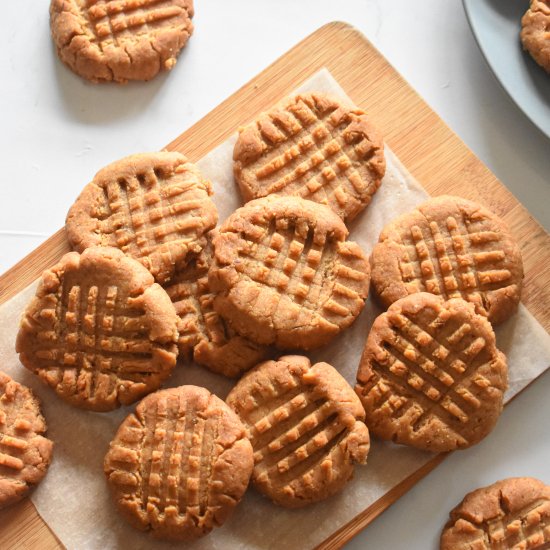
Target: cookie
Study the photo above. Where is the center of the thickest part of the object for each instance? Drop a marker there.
(25, 453)
(535, 32)
(430, 375)
(155, 207)
(510, 514)
(312, 146)
(454, 248)
(99, 330)
(203, 334)
(285, 274)
(120, 40)
(179, 465)
(306, 428)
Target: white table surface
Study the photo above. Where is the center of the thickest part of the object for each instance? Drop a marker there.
(56, 131)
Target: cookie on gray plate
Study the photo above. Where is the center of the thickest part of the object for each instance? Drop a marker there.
(535, 33)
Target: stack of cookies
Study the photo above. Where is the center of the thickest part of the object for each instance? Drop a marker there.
(151, 279)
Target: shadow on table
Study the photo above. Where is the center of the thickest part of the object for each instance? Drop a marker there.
(539, 78)
(104, 102)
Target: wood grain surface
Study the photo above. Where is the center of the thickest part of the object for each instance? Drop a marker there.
(421, 140)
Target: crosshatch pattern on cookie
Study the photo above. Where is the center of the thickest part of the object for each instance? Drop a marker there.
(294, 260)
(97, 335)
(180, 464)
(203, 334)
(431, 367)
(517, 521)
(109, 18)
(315, 148)
(463, 255)
(281, 452)
(453, 259)
(529, 526)
(299, 432)
(154, 208)
(142, 213)
(298, 274)
(24, 452)
(14, 430)
(91, 340)
(118, 40)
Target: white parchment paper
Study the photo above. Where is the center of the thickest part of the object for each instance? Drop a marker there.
(73, 498)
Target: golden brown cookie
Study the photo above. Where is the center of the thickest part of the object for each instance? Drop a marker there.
(25, 453)
(285, 274)
(535, 32)
(430, 375)
(313, 146)
(180, 464)
(203, 334)
(306, 428)
(454, 248)
(99, 331)
(512, 514)
(155, 207)
(120, 40)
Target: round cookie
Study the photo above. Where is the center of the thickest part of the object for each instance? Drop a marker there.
(284, 273)
(99, 330)
(179, 465)
(155, 207)
(451, 247)
(25, 453)
(112, 40)
(512, 513)
(430, 375)
(203, 334)
(313, 146)
(535, 32)
(306, 428)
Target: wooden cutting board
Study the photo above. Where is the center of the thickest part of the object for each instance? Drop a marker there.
(421, 140)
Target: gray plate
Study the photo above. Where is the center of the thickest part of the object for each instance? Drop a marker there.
(496, 25)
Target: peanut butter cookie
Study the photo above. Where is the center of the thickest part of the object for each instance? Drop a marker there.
(535, 32)
(512, 514)
(315, 147)
(155, 207)
(180, 464)
(99, 331)
(120, 40)
(203, 334)
(454, 248)
(25, 453)
(285, 274)
(430, 375)
(306, 428)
